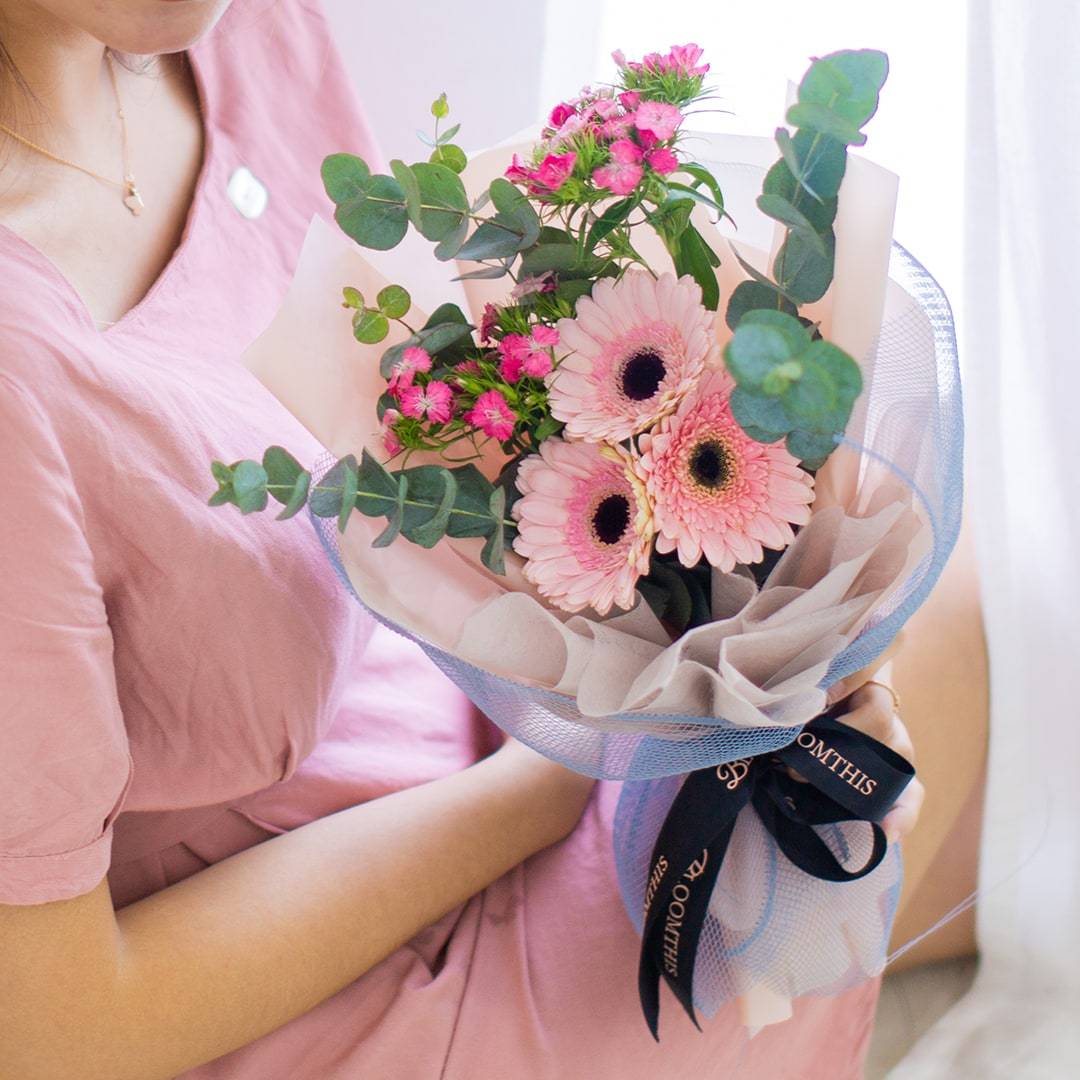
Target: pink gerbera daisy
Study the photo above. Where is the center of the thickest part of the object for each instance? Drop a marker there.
(637, 347)
(716, 491)
(584, 525)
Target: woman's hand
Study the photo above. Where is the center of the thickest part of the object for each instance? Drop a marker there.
(872, 712)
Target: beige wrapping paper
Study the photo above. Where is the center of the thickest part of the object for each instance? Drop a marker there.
(761, 661)
(758, 664)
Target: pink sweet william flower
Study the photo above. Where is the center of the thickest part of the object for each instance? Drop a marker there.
(662, 160)
(683, 59)
(492, 415)
(560, 114)
(537, 363)
(629, 100)
(512, 350)
(617, 127)
(623, 173)
(488, 321)
(434, 401)
(412, 360)
(391, 442)
(544, 336)
(518, 171)
(620, 58)
(554, 171)
(528, 355)
(658, 118)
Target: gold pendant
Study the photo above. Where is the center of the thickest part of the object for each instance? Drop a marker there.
(132, 199)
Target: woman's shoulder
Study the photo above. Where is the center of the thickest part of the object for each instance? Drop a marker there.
(274, 72)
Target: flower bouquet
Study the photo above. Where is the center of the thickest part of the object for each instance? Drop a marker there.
(672, 461)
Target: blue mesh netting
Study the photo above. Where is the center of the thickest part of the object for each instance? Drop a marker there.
(769, 925)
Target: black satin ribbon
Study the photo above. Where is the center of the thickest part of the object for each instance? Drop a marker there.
(849, 777)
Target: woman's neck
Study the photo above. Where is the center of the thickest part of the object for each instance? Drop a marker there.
(61, 92)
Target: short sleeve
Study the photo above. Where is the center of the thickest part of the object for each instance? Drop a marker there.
(65, 765)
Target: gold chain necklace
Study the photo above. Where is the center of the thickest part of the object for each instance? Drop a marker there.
(131, 197)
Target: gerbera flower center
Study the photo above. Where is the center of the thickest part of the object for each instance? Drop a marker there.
(710, 465)
(610, 518)
(642, 374)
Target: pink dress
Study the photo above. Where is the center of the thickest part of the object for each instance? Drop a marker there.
(178, 683)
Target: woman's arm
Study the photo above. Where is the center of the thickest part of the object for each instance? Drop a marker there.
(239, 949)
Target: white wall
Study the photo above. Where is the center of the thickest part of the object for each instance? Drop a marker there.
(499, 62)
(504, 63)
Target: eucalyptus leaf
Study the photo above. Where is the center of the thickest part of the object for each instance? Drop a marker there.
(443, 202)
(249, 486)
(472, 499)
(436, 488)
(345, 176)
(825, 121)
(298, 496)
(395, 516)
(752, 295)
(348, 494)
(282, 471)
(802, 272)
(410, 188)
(779, 209)
(377, 490)
(453, 157)
(762, 418)
(812, 450)
(375, 217)
(394, 301)
(370, 326)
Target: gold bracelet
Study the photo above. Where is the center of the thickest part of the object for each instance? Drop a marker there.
(886, 686)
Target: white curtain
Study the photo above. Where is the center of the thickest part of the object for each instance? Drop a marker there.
(1022, 1017)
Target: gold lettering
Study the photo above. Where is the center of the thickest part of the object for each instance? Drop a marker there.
(697, 867)
(868, 786)
(848, 772)
(659, 870)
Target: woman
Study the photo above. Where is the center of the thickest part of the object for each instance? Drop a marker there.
(245, 833)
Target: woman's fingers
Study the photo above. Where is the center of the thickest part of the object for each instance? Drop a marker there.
(840, 690)
(880, 722)
(901, 819)
(872, 713)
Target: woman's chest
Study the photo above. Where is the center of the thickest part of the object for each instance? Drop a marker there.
(232, 637)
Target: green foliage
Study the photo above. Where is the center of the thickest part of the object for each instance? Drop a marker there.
(790, 385)
(752, 295)
(453, 157)
(693, 256)
(678, 595)
(439, 107)
(370, 326)
(369, 208)
(423, 504)
(394, 302)
(513, 228)
(445, 328)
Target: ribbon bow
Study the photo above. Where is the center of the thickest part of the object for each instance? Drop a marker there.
(851, 777)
